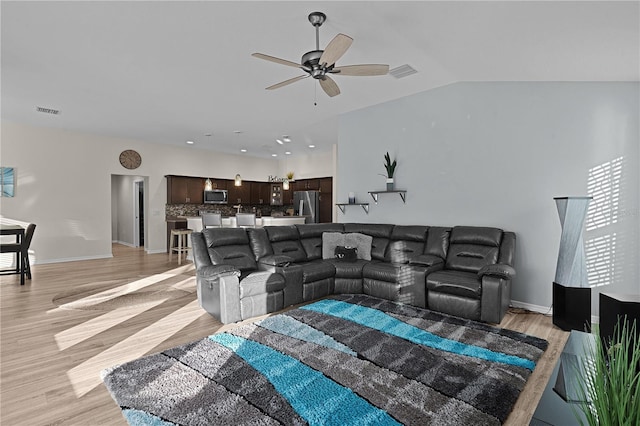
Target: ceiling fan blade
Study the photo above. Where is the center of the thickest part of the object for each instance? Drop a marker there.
(362, 70)
(329, 86)
(276, 60)
(335, 49)
(286, 82)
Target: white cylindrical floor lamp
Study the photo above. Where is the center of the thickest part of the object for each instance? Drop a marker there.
(571, 291)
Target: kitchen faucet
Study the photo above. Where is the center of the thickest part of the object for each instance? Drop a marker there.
(239, 206)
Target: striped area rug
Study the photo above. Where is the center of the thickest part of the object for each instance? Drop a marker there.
(346, 360)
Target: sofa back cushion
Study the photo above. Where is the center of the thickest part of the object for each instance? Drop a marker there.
(230, 246)
(259, 241)
(406, 242)
(311, 237)
(285, 240)
(472, 247)
(437, 241)
(380, 233)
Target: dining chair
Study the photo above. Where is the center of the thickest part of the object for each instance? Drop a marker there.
(21, 250)
(246, 220)
(211, 220)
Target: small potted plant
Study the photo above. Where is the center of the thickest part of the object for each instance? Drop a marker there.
(290, 176)
(391, 168)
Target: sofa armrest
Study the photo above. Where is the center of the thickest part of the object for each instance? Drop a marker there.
(276, 260)
(499, 270)
(214, 272)
(426, 260)
(292, 273)
(218, 289)
(496, 296)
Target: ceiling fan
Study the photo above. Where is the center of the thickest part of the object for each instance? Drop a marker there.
(319, 63)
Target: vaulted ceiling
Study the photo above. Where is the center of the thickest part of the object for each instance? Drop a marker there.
(168, 72)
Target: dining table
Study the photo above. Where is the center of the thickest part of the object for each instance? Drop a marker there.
(18, 231)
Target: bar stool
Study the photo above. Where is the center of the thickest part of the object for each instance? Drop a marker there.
(182, 246)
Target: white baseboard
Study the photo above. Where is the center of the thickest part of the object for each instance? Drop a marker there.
(71, 259)
(125, 244)
(156, 251)
(531, 307)
(545, 310)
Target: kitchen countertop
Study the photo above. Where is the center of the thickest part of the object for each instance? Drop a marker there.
(195, 222)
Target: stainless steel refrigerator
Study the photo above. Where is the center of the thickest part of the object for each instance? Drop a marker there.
(307, 203)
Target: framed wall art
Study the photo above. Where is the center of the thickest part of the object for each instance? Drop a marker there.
(7, 181)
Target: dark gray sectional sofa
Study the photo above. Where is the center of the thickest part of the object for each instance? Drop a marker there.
(464, 270)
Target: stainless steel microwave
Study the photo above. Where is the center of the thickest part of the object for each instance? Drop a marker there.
(216, 196)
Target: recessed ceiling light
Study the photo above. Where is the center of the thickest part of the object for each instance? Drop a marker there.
(287, 152)
(312, 146)
(243, 150)
(274, 155)
(279, 141)
(190, 142)
(286, 138)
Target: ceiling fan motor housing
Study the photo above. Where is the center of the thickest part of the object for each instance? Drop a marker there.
(311, 64)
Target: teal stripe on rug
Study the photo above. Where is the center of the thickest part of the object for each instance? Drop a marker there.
(381, 321)
(291, 327)
(142, 418)
(316, 398)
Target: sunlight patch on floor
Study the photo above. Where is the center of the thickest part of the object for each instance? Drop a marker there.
(86, 376)
(112, 293)
(81, 332)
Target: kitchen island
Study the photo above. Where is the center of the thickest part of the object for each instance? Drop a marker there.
(195, 222)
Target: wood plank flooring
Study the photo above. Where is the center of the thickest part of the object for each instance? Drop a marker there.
(51, 357)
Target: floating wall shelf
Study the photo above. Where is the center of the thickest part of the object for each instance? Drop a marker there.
(365, 206)
(402, 193)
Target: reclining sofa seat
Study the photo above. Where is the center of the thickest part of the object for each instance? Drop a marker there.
(229, 285)
(475, 282)
(389, 275)
(317, 275)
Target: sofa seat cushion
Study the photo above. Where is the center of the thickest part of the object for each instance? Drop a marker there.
(348, 269)
(261, 282)
(316, 271)
(382, 271)
(465, 284)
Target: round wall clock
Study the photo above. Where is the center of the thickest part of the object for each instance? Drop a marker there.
(130, 159)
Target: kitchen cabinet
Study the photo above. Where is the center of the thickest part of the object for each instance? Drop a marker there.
(276, 194)
(219, 183)
(260, 193)
(308, 185)
(184, 190)
(326, 185)
(239, 194)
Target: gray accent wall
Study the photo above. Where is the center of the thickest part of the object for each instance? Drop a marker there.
(496, 154)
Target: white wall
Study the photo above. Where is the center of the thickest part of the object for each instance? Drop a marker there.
(495, 154)
(308, 165)
(63, 184)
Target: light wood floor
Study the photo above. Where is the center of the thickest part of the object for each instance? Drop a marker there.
(51, 357)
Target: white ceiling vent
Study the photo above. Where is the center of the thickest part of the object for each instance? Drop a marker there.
(48, 110)
(402, 71)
